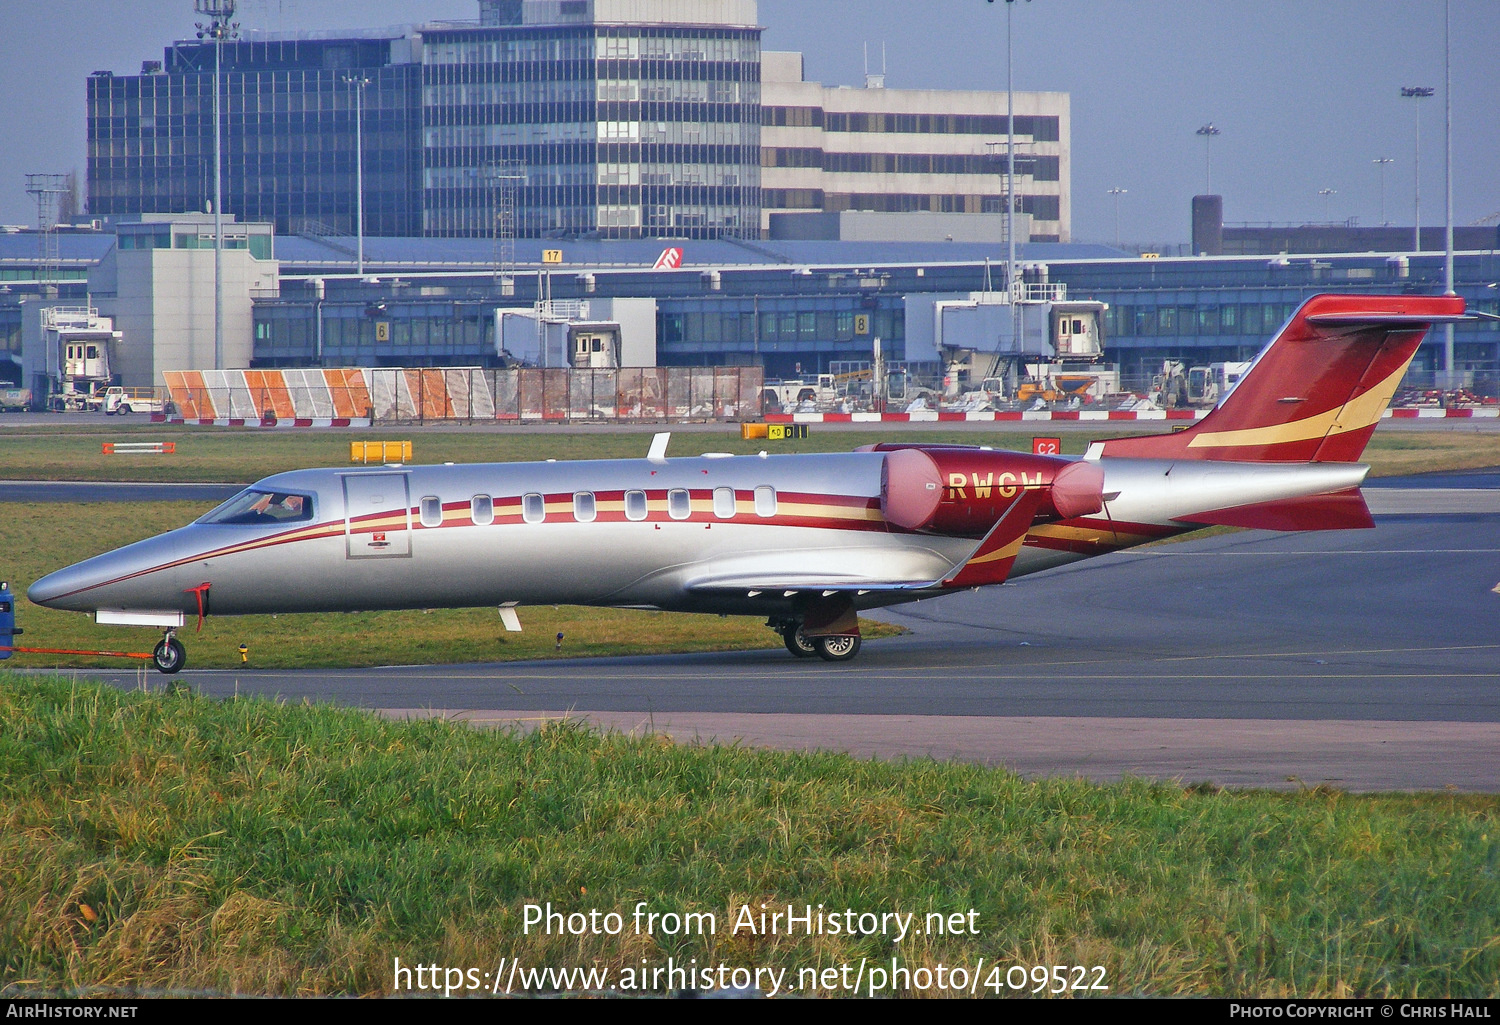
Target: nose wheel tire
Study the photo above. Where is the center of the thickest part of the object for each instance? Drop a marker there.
(796, 643)
(839, 648)
(169, 656)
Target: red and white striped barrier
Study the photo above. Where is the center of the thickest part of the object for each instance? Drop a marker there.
(1019, 416)
(1034, 416)
(1438, 413)
(235, 421)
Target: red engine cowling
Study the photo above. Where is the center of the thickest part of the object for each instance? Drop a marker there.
(965, 491)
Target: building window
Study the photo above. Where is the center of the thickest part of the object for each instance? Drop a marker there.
(482, 510)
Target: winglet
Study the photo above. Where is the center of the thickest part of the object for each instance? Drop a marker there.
(658, 452)
(996, 554)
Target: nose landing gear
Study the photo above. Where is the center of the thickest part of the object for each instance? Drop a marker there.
(169, 656)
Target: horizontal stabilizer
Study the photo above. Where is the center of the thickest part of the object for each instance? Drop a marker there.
(1344, 510)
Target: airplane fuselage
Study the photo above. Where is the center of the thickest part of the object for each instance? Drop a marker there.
(734, 535)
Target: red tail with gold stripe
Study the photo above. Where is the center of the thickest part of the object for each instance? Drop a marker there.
(1317, 392)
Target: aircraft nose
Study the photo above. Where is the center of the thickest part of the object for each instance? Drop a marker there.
(118, 579)
(67, 588)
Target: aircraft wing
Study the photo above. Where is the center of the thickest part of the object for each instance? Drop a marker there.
(988, 562)
(755, 584)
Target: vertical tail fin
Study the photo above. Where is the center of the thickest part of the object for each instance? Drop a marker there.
(1317, 392)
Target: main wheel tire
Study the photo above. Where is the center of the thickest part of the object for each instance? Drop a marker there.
(796, 643)
(838, 648)
(125, 408)
(170, 656)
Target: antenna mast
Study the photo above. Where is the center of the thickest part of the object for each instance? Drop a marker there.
(47, 188)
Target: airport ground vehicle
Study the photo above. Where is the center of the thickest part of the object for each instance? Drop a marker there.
(132, 400)
(806, 541)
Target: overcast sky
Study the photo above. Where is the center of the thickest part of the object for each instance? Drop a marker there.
(1305, 94)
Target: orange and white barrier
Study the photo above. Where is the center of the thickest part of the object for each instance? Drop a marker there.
(280, 398)
(359, 397)
(139, 448)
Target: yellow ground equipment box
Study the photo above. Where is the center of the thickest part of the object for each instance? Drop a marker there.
(379, 451)
(785, 432)
(773, 432)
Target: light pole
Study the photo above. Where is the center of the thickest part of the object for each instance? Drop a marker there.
(1010, 160)
(1380, 162)
(1208, 132)
(1417, 93)
(1117, 193)
(1327, 194)
(218, 28)
(359, 82)
(1448, 182)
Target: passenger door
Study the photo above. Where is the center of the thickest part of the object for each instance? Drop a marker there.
(377, 515)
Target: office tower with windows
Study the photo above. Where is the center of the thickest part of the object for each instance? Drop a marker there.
(621, 118)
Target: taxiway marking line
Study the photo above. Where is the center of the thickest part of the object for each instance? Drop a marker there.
(944, 673)
(1368, 551)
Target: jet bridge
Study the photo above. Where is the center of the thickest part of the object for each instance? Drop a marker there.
(1030, 332)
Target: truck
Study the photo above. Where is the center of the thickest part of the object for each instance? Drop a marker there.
(13, 399)
(1198, 387)
(796, 395)
(132, 400)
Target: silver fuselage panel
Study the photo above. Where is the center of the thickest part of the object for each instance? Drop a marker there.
(401, 537)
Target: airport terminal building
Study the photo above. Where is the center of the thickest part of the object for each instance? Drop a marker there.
(791, 307)
(530, 168)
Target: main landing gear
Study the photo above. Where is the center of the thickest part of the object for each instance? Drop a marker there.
(169, 656)
(830, 648)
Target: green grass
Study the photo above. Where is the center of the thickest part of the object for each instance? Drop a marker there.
(73, 451)
(242, 456)
(178, 843)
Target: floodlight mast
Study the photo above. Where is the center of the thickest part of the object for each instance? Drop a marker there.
(219, 27)
(358, 83)
(1010, 173)
(1208, 132)
(1417, 92)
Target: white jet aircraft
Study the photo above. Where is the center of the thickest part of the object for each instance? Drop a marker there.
(806, 541)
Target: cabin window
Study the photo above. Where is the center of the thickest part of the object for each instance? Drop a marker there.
(679, 504)
(533, 508)
(724, 503)
(765, 500)
(482, 510)
(260, 508)
(635, 505)
(432, 511)
(583, 507)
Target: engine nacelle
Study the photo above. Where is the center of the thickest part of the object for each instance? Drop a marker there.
(965, 491)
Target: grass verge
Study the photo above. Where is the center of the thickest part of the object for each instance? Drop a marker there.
(179, 843)
(73, 452)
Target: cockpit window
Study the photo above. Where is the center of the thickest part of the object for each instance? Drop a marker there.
(263, 508)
